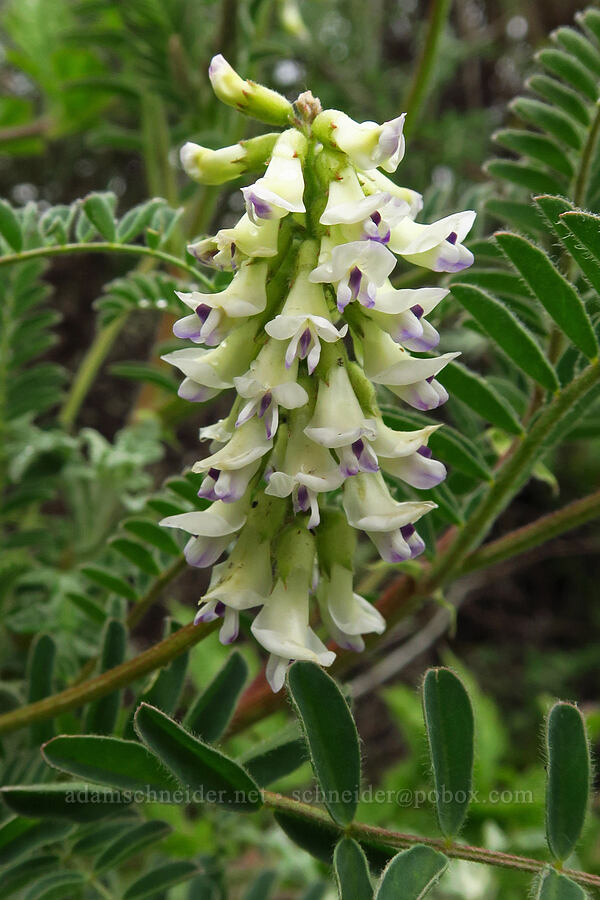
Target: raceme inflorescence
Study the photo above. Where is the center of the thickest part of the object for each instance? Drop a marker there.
(306, 330)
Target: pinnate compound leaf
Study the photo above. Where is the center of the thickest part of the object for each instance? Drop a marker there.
(504, 328)
(126, 765)
(450, 732)
(558, 297)
(20, 836)
(199, 767)
(75, 801)
(160, 879)
(129, 843)
(351, 871)
(331, 737)
(411, 874)
(209, 716)
(553, 886)
(19, 876)
(480, 396)
(568, 779)
(56, 886)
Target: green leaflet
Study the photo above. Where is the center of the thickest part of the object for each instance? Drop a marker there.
(129, 843)
(504, 328)
(76, 801)
(570, 70)
(40, 669)
(411, 874)
(351, 871)
(262, 886)
(19, 876)
(535, 180)
(558, 297)
(450, 732)
(153, 534)
(202, 769)
(99, 208)
(579, 46)
(137, 554)
(585, 228)
(10, 227)
(160, 879)
(331, 737)
(20, 836)
(548, 118)
(56, 885)
(277, 757)
(521, 215)
(553, 886)
(209, 716)
(137, 371)
(126, 765)
(480, 396)
(317, 838)
(137, 219)
(112, 583)
(537, 146)
(568, 780)
(101, 715)
(552, 208)
(164, 686)
(447, 443)
(561, 96)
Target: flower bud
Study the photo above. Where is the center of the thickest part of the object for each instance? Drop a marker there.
(248, 97)
(218, 166)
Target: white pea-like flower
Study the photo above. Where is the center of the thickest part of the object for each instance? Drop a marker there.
(304, 463)
(282, 627)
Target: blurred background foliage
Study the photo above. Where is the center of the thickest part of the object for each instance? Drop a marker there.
(99, 95)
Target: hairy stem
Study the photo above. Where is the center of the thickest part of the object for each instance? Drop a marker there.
(107, 247)
(423, 72)
(371, 834)
(508, 481)
(87, 371)
(538, 532)
(587, 156)
(113, 679)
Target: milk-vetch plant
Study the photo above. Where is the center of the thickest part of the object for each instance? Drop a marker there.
(320, 500)
(308, 327)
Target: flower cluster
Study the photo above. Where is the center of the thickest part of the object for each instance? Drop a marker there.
(308, 326)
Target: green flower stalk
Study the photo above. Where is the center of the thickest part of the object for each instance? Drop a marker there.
(308, 326)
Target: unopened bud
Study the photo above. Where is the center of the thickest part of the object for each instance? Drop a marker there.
(218, 166)
(248, 97)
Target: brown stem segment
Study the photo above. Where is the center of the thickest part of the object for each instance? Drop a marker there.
(153, 658)
(371, 834)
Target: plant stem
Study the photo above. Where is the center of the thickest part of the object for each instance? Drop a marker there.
(139, 610)
(587, 155)
(538, 532)
(34, 128)
(107, 247)
(153, 658)
(87, 371)
(508, 481)
(423, 72)
(371, 834)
